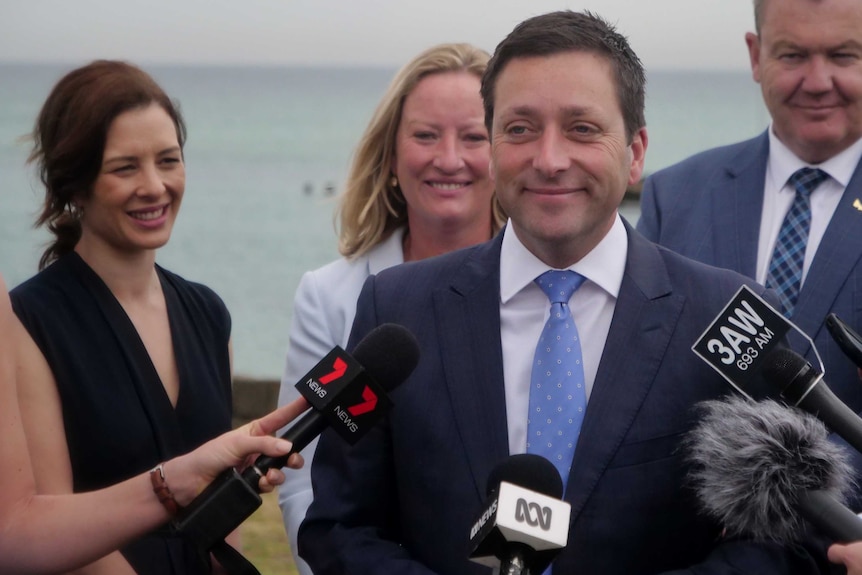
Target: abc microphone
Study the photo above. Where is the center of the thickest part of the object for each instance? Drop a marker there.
(762, 468)
(801, 385)
(347, 392)
(524, 524)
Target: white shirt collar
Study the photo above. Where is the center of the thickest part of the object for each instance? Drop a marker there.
(783, 162)
(603, 266)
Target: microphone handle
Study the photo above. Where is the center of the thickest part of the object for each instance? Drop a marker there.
(832, 518)
(516, 560)
(300, 434)
(839, 418)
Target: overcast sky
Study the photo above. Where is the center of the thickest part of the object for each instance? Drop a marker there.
(676, 34)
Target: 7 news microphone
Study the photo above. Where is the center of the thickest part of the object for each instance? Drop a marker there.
(524, 523)
(762, 469)
(347, 392)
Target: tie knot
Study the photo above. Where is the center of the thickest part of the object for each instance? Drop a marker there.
(806, 180)
(559, 285)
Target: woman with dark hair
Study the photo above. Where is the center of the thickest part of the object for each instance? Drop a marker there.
(52, 533)
(126, 364)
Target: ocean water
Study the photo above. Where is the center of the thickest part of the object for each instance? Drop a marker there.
(266, 149)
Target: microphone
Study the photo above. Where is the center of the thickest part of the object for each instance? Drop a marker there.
(524, 524)
(848, 340)
(346, 392)
(739, 339)
(342, 393)
(762, 468)
(744, 341)
(801, 385)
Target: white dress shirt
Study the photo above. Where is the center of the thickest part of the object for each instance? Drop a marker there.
(524, 309)
(778, 196)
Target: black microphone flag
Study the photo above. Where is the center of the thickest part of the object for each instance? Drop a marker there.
(737, 342)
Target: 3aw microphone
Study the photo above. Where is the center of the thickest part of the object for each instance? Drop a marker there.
(760, 468)
(524, 524)
(740, 338)
(745, 341)
(801, 385)
(346, 392)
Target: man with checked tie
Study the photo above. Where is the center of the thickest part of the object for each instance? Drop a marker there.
(785, 208)
(568, 335)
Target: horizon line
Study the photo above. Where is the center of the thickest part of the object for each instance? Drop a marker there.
(302, 65)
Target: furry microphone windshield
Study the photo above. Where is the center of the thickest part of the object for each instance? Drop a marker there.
(756, 463)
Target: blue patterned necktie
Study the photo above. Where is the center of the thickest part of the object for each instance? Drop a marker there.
(785, 268)
(558, 398)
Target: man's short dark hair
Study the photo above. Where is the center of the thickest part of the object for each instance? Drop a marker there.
(567, 31)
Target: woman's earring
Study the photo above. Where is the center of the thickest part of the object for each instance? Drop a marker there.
(393, 181)
(76, 211)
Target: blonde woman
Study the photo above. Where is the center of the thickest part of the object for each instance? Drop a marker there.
(419, 187)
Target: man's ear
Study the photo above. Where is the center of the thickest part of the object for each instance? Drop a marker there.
(752, 40)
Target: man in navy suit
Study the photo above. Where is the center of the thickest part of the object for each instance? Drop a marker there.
(564, 100)
(725, 207)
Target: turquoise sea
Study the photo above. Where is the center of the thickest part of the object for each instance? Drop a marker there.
(266, 148)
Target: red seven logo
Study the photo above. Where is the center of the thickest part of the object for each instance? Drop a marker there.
(338, 369)
(368, 404)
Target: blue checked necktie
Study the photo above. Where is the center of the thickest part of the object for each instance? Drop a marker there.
(557, 395)
(785, 268)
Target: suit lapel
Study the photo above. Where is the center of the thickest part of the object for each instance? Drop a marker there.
(838, 253)
(737, 206)
(468, 316)
(644, 319)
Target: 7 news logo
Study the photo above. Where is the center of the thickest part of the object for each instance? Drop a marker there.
(339, 368)
(340, 388)
(369, 398)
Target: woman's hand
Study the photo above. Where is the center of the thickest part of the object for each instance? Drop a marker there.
(189, 474)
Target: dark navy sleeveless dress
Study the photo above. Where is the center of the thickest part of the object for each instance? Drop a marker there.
(118, 419)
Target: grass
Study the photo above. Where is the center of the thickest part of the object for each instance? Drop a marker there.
(264, 541)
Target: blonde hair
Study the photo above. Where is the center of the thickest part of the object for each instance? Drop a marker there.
(371, 208)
